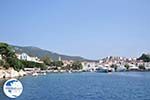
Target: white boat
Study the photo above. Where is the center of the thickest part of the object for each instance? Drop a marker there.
(121, 69)
(102, 69)
(35, 74)
(44, 73)
(69, 71)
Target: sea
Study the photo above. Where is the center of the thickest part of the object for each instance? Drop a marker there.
(85, 86)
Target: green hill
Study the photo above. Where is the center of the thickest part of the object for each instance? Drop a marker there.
(35, 51)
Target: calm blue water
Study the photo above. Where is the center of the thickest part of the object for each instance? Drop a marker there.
(86, 86)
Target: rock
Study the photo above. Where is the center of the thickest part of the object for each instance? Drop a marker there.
(22, 73)
(2, 74)
(6, 75)
(11, 73)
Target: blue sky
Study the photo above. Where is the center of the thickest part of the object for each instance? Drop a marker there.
(89, 28)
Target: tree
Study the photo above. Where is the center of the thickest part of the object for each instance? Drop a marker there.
(30, 64)
(15, 63)
(1, 62)
(127, 66)
(10, 60)
(142, 67)
(6, 51)
(46, 59)
(58, 63)
(114, 66)
(67, 67)
(9, 57)
(76, 65)
(145, 58)
(6, 65)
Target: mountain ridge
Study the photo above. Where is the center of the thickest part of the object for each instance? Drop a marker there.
(38, 52)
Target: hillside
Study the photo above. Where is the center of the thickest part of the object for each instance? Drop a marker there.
(35, 51)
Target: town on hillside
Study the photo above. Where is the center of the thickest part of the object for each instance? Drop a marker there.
(13, 64)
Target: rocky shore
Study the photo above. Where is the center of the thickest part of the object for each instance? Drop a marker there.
(11, 73)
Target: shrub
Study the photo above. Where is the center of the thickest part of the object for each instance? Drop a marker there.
(6, 65)
(1, 62)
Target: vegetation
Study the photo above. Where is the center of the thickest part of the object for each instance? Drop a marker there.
(145, 58)
(127, 66)
(8, 55)
(1, 62)
(10, 59)
(15, 63)
(114, 66)
(6, 65)
(57, 63)
(68, 67)
(76, 65)
(46, 59)
(38, 52)
(30, 64)
(141, 67)
(6, 51)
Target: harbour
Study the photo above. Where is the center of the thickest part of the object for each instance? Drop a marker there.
(86, 86)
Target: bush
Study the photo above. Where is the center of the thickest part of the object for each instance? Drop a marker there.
(114, 66)
(127, 66)
(6, 65)
(141, 67)
(46, 59)
(76, 65)
(57, 63)
(15, 63)
(145, 58)
(1, 62)
(30, 64)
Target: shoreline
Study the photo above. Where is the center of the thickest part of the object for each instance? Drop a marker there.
(11, 73)
(20, 74)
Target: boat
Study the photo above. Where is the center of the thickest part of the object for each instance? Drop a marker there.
(35, 74)
(102, 69)
(121, 69)
(69, 71)
(44, 73)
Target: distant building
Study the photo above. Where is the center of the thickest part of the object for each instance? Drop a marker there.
(32, 69)
(89, 66)
(67, 62)
(133, 67)
(147, 66)
(59, 59)
(26, 57)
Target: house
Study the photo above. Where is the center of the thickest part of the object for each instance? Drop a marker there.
(147, 66)
(32, 69)
(23, 56)
(26, 57)
(67, 62)
(133, 67)
(89, 66)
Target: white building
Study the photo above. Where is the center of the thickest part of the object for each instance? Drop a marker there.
(147, 66)
(26, 57)
(89, 66)
(133, 67)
